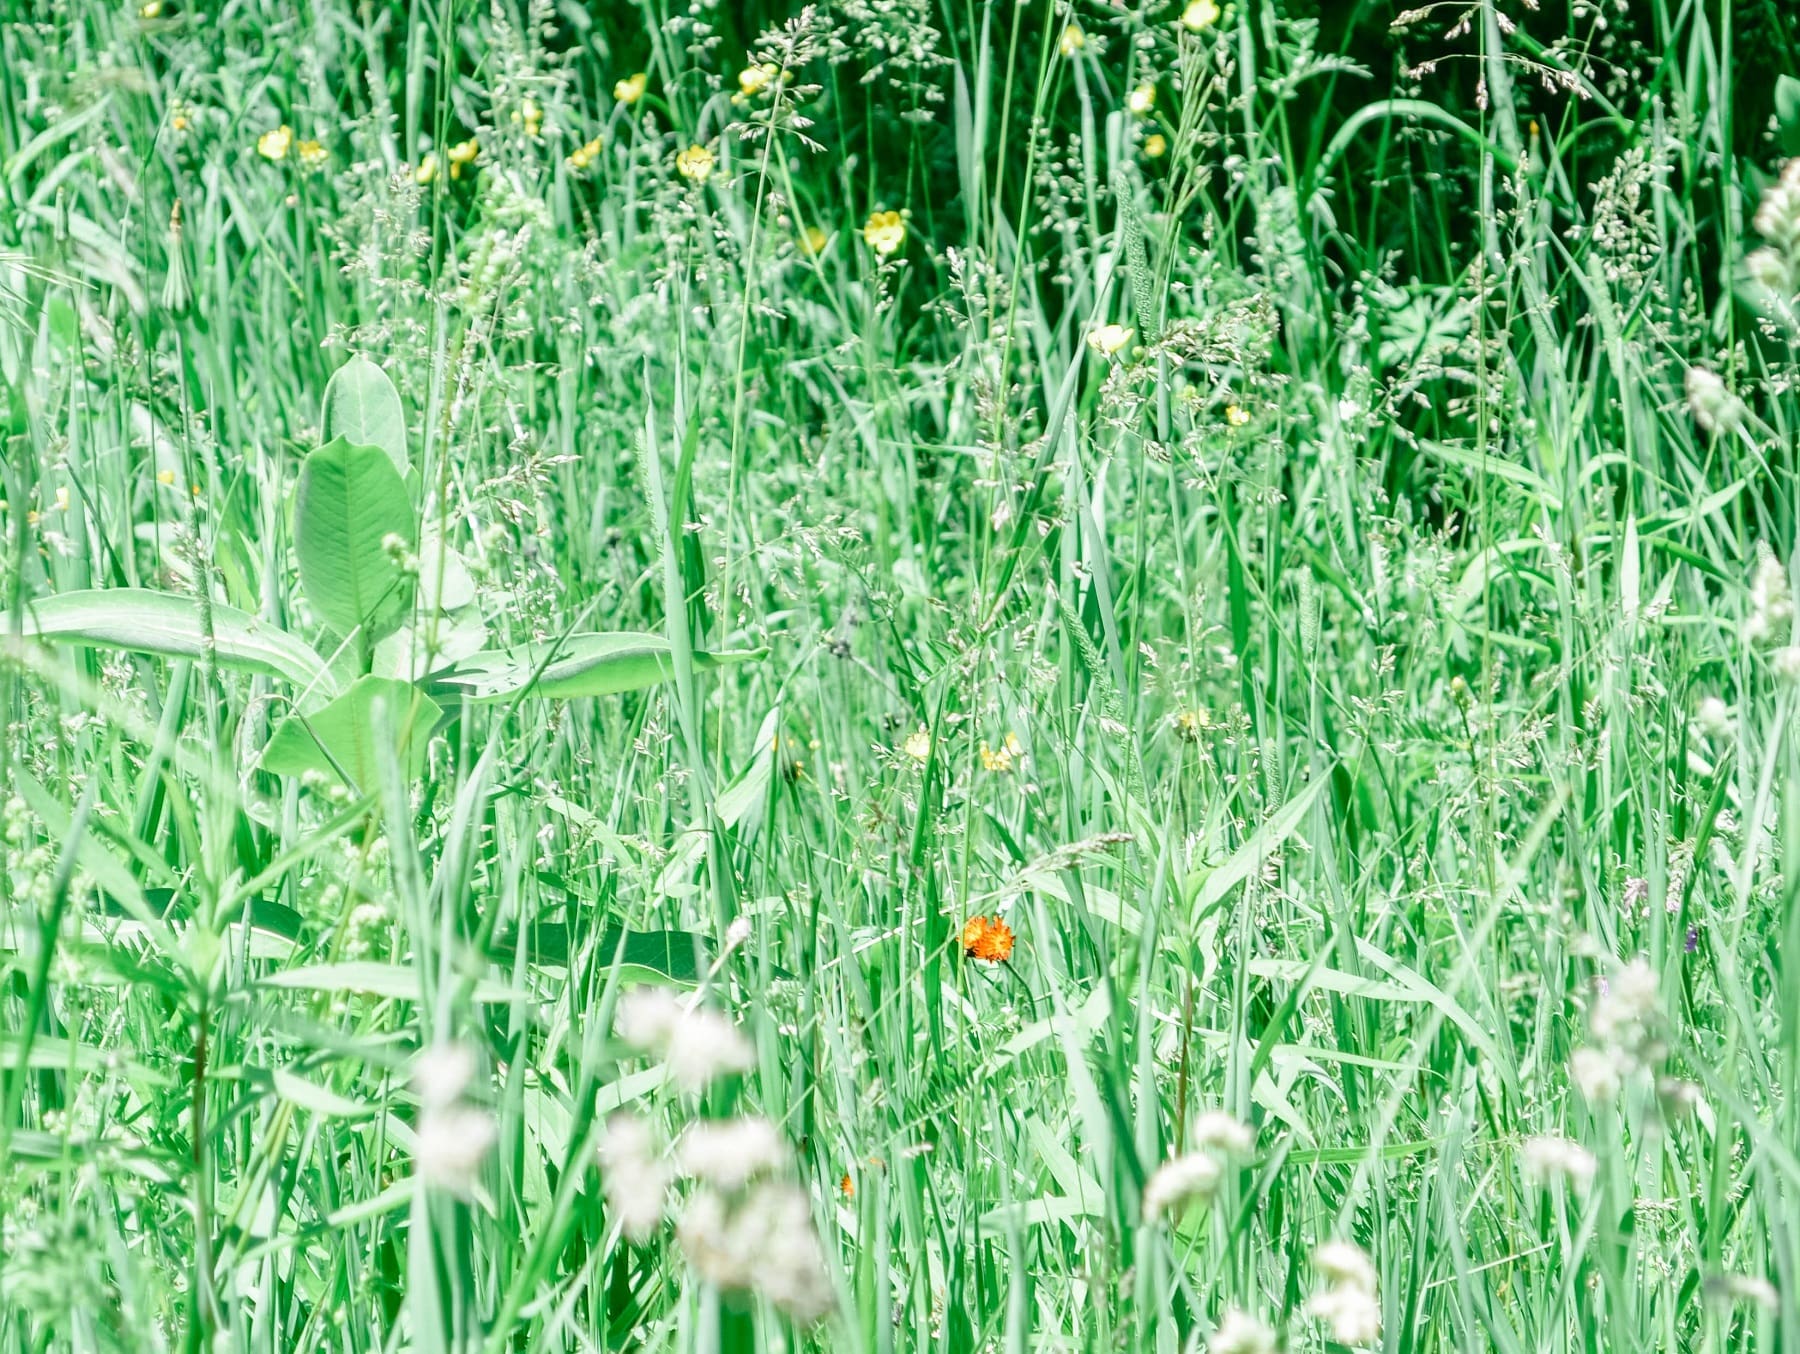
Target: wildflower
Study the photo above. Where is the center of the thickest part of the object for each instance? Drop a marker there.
(427, 170)
(1072, 40)
(764, 1244)
(583, 156)
(1189, 724)
(1236, 415)
(813, 240)
(452, 1143)
(464, 153)
(632, 1175)
(1595, 1074)
(313, 154)
(529, 117)
(1181, 1181)
(917, 745)
(1771, 599)
(631, 88)
(753, 80)
(1240, 1333)
(1223, 1133)
(695, 163)
(442, 1073)
(62, 498)
(1626, 1012)
(1715, 409)
(1777, 219)
(273, 145)
(150, 10)
(1107, 339)
(847, 1186)
(728, 1154)
(1200, 14)
(737, 933)
(988, 939)
(1713, 716)
(696, 1044)
(884, 232)
(1786, 662)
(1142, 100)
(1635, 895)
(179, 121)
(1346, 1264)
(165, 477)
(1000, 760)
(1156, 145)
(1551, 1160)
(1353, 1314)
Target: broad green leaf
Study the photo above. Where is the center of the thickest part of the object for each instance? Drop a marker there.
(1787, 113)
(373, 979)
(174, 626)
(581, 665)
(349, 501)
(342, 738)
(363, 408)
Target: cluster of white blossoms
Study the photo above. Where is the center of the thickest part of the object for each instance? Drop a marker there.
(696, 1044)
(1771, 600)
(1773, 271)
(1347, 1304)
(1550, 1160)
(453, 1137)
(1240, 1333)
(745, 1225)
(1196, 1176)
(1626, 1023)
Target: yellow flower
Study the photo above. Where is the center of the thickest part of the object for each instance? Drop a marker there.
(1190, 723)
(813, 240)
(1155, 146)
(1000, 760)
(631, 89)
(1073, 40)
(427, 170)
(274, 145)
(583, 156)
(165, 477)
(917, 745)
(1142, 100)
(696, 163)
(884, 232)
(312, 153)
(1236, 415)
(179, 122)
(462, 153)
(1200, 14)
(150, 10)
(1107, 339)
(753, 80)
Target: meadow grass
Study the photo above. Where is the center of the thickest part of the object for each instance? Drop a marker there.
(1203, 756)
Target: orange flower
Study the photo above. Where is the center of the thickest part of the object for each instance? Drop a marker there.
(987, 938)
(847, 1187)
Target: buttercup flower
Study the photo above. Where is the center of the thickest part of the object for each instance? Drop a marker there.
(753, 80)
(813, 240)
(1107, 339)
(312, 153)
(1156, 145)
(1072, 40)
(917, 745)
(274, 145)
(583, 156)
(1200, 14)
(1142, 100)
(1236, 415)
(631, 88)
(884, 232)
(427, 170)
(462, 153)
(695, 163)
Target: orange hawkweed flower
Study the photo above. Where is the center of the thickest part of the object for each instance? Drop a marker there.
(847, 1187)
(987, 938)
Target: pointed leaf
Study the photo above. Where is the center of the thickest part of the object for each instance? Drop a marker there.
(363, 408)
(174, 626)
(581, 665)
(350, 499)
(343, 738)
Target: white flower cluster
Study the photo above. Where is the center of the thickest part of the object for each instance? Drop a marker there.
(1197, 1175)
(1240, 1333)
(1551, 1160)
(1347, 1304)
(1771, 599)
(453, 1137)
(696, 1044)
